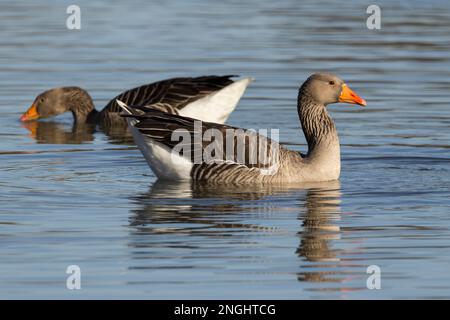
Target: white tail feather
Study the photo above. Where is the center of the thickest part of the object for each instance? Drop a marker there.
(215, 107)
(124, 106)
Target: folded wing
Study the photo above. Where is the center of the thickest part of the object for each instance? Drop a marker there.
(214, 152)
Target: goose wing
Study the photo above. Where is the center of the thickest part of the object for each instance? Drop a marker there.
(172, 94)
(218, 153)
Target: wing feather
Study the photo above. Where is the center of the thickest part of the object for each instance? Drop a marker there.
(246, 154)
(175, 93)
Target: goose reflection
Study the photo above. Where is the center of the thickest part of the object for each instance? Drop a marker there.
(218, 211)
(319, 228)
(177, 203)
(51, 132)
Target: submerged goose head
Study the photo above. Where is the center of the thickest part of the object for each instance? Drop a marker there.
(208, 98)
(325, 88)
(59, 100)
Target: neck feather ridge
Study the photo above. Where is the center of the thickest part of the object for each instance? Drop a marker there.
(80, 103)
(317, 124)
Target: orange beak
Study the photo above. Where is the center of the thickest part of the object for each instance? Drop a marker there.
(348, 96)
(31, 114)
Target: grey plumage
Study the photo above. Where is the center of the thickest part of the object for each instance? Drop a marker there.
(169, 95)
(278, 164)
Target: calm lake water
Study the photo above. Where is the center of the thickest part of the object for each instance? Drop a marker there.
(91, 200)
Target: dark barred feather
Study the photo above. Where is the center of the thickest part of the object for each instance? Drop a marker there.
(170, 95)
(249, 149)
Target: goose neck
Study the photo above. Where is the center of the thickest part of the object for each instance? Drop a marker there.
(317, 125)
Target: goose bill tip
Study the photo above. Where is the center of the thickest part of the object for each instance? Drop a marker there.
(363, 103)
(349, 96)
(30, 114)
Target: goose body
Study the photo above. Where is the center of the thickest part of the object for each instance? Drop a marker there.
(264, 160)
(210, 98)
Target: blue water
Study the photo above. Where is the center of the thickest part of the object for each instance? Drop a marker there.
(90, 200)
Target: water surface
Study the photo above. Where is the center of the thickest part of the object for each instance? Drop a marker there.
(89, 199)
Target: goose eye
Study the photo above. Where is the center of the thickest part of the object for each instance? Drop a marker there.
(331, 83)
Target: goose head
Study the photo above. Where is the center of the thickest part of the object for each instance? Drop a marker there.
(56, 101)
(326, 88)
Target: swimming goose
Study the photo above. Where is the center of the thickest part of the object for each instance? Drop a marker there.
(209, 98)
(263, 160)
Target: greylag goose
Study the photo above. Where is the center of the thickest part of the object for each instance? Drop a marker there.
(209, 98)
(262, 160)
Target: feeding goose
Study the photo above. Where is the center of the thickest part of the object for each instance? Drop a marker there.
(209, 98)
(156, 135)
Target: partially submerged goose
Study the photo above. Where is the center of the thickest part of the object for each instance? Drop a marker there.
(209, 98)
(263, 160)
